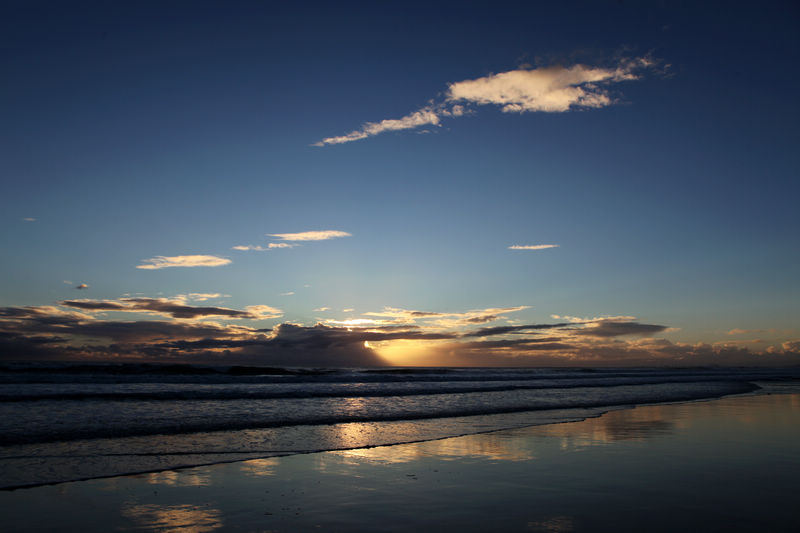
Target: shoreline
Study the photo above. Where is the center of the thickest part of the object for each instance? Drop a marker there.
(648, 459)
(572, 415)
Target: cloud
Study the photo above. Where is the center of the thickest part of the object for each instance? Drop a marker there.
(532, 246)
(423, 117)
(321, 309)
(50, 332)
(82, 286)
(270, 246)
(201, 296)
(29, 219)
(612, 328)
(504, 330)
(309, 236)
(161, 261)
(172, 308)
(290, 293)
(548, 89)
(554, 89)
(476, 316)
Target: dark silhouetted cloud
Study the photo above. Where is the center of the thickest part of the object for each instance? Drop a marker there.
(173, 308)
(611, 328)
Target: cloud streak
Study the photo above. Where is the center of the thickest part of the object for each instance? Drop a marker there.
(424, 117)
(172, 308)
(162, 261)
(553, 89)
(270, 246)
(323, 235)
(532, 246)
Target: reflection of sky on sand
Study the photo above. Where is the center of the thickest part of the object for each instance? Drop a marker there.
(624, 425)
(492, 446)
(260, 467)
(179, 478)
(174, 518)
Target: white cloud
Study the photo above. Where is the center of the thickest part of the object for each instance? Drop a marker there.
(445, 319)
(290, 293)
(261, 312)
(321, 309)
(546, 89)
(308, 236)
(200, 296)
(550, 89)
(583, 320)
(532, 246)
(29, 219)
(423, 117)
(270, 246)
(161, 261)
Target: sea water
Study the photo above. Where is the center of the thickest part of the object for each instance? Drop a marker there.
(64, 422)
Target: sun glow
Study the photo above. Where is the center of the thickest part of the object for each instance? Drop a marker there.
(407, 352)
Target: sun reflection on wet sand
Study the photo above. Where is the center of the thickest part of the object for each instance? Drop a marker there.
(179, 478)
(174, 518)
(260, 467)
(492, 446)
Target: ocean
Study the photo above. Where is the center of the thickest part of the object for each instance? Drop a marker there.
(68, 421)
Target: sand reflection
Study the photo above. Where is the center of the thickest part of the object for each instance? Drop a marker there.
(494, 447)
(624, 425)
(178, 478)
(174, 518)
(260, 467)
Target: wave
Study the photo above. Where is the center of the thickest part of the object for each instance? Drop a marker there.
(344, 392)
(611, 397)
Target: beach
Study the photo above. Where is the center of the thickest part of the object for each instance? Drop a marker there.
(727, 464)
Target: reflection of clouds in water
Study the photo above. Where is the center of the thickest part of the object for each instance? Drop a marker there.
(554, 524)
(190, 478)
(174, 518)
(624, 425)
(259, 467)
(493, 447)
(758, 410)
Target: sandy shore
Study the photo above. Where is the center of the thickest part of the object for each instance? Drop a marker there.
(723, 465)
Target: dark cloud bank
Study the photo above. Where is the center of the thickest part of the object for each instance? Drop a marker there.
(52, 333)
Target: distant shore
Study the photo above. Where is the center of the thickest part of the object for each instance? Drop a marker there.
(728, 464)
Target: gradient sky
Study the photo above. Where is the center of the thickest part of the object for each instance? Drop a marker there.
(163, 162)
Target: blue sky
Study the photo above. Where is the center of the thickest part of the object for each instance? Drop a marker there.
(655, 146)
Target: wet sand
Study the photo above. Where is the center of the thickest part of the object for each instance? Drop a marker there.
(722, 465)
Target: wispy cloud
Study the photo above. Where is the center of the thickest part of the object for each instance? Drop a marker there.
(161, 261)
(321, 309)
(200, 296)
(554, 89)
(270, 246)
(82, 286)
(445, 319)
(423, 117)
(323, 235)
(290, 293)
(532, 246)
(29, 219)
(173, 308)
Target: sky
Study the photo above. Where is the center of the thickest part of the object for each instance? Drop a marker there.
(400, 183)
